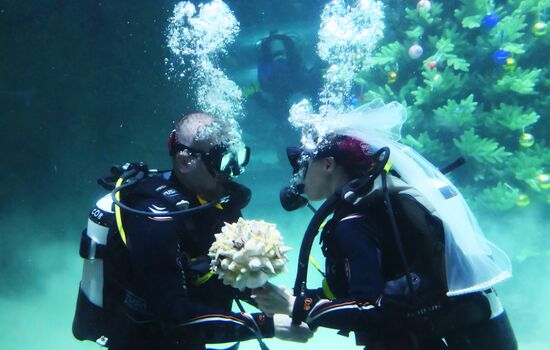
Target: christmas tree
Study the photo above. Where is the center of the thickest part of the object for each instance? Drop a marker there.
(474, 77)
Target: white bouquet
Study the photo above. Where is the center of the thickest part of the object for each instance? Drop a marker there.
(247, 253)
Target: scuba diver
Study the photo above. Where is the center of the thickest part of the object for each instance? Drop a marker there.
(146, 282)
(283, 79)
(282, 74)
(407, 266)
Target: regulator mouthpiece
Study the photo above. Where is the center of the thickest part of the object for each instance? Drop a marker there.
(291, 198)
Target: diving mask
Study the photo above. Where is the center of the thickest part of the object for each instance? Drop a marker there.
(299, 160)
(291, 197)
(230, 162)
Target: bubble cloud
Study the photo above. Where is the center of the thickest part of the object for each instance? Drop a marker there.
(197, 37)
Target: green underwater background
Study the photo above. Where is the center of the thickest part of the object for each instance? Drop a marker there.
(84, 86)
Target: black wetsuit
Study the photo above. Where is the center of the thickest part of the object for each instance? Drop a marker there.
(365, 274)
(161, 305)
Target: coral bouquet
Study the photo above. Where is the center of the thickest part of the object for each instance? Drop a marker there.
(247, 253)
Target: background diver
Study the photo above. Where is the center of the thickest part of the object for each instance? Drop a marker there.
(283, 76)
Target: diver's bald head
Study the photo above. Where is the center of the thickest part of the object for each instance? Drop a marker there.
(198, 127)
(202, 131)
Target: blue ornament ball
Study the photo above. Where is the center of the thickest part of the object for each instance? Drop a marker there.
(490, 20)
(500, 56)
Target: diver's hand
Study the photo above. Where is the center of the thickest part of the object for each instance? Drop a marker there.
(285, 330)
(274, 300)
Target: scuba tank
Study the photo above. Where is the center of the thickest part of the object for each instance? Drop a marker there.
(91, 318)
(99, 221)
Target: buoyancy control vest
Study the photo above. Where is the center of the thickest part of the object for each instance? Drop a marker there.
(421, 234)
(427, 309)
(100, 293)
(103, 249)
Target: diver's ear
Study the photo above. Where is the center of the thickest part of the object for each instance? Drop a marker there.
(329, 163)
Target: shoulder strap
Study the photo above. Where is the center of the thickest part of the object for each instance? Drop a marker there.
(156, 186)
(417, 224)
(163, 189)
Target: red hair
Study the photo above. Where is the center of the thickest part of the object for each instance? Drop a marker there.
(353, 154)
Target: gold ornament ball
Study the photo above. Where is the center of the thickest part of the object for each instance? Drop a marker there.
(539, 29)
(392, 77)
(523, 200)
(526, 140)
(543, 180)
(510, 65)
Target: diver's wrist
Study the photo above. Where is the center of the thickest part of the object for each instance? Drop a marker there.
(265, 324)
(300, 309)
